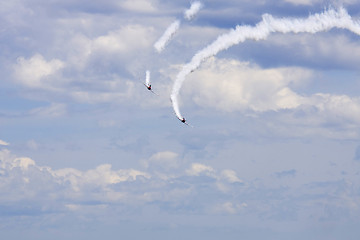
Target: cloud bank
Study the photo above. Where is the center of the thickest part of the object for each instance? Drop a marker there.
(21, 178)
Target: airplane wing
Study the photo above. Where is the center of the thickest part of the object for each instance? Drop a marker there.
(189, 125)
(150, 90)
(185, 122)
(154, 93)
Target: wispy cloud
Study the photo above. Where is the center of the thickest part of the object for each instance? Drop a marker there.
(54, 110)
(287, 173)
(139, 5)
(3, 143)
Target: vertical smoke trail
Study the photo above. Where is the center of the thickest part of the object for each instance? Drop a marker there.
(147, 78)
(193, 10)
(166, 37)
(174, 27)
(314, 23)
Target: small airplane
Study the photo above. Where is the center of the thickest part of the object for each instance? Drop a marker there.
(147, 83)
(148, 86)
(184, 121)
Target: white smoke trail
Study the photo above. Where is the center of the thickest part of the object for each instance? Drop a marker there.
(166, 37)
(314, 23)
(174, 27)
(193, 10)
(147, 78)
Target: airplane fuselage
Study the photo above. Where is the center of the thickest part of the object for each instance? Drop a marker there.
(182, 120)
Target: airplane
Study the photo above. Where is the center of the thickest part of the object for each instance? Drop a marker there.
(184, 121)
(147, 83)
(148, 86)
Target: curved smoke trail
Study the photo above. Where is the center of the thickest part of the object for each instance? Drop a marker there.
(314, 23)
(174, 27)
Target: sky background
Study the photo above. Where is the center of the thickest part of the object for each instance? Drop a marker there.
(86, 152)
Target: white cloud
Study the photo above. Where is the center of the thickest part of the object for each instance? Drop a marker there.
(8, 161)
(36, 72)
(14, 13)
(97, 59)
(107, 123)
(107, 184)
(166, 159)
(23, 163)
(78, 49)
(54, 110)
(102, 184)
(229, 207)
(126, 39)
(230, 176)
(3, 143)
(101, 97)
(139, 5)
(86, 43)
(68, 189)
(332, 116)
(198, 169)
(337, 108)
(104, 175)
(4, 157)
(85, 61)
(32, 145)
(312, 2)
(230, 85)
(301, 2)
(316, 50)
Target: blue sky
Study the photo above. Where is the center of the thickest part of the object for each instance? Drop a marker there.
(86, 152)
